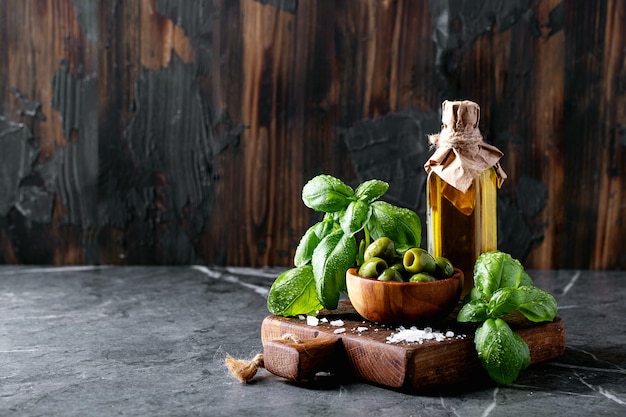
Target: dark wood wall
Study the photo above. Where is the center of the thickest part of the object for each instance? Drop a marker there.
(179, 131)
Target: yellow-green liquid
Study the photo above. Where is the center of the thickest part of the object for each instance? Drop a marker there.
(461, 226)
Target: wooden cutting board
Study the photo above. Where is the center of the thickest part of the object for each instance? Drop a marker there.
(297, 351)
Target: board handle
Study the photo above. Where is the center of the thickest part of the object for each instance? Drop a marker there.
(299, 359)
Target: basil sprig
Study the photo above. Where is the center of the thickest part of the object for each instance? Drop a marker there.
(501, 286)
(329, 248)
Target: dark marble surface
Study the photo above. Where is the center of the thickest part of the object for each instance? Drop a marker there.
(151, 341)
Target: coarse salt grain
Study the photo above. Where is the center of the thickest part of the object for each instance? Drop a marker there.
(324, 320)
(336, 323)
(361, 329)
(416, 335)
(338, 331)
(312, 320)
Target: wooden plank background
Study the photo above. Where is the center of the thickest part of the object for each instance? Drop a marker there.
(177, 132)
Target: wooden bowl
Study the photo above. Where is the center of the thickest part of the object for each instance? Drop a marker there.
(403, 302)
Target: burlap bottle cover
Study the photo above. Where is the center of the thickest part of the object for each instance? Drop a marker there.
(461, 154)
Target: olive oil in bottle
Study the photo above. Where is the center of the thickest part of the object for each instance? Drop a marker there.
(463, 177)
(462, 225)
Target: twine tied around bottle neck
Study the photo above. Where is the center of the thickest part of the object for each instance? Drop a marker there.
(459, 128)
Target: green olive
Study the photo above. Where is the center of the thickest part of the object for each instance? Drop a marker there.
(373, 267)
(444, 267)
(422, 277)
(397, 265)
(390, 274)
(418, 260)
(382, 247)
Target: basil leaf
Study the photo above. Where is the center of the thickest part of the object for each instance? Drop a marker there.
(293, 292)
(513, 274)
(326, 193)
(525, 280)
(495, 269)
(304, 251)
(474, 311)
(310, 240)
(371, 190)
(354, 217)
(538, 305)
(475, 294)
(502, 352)
(504, 301)
(331, 259)
(401, 225)
(326, 226)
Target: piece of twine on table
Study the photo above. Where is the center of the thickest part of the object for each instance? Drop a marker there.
(244, 370)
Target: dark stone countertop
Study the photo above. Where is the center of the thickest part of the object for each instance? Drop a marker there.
(152, 341)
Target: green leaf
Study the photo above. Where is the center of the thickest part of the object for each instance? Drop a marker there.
(331, 259)
(474, 311)
(401, 225)
(371, 190)
(503, 353)
(293, 293)
(308, 243)
(538, 305)
(525, 280)
(354, 217)
(327, 225)
(495, 269)
(504, 301)
(327, 193)
(310, 240)
(475, 294)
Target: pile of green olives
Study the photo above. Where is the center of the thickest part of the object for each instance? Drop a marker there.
(382, 261)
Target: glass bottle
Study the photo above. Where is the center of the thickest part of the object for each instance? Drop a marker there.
(461, 213)
(462, 225)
